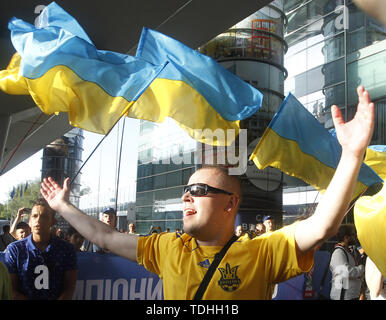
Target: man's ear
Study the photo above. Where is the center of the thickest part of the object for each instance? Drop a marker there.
(232, 203)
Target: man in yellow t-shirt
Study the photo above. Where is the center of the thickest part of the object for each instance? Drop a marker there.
(251, 267)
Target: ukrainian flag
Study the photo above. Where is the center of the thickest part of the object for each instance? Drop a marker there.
(370, 212)
(193, 89)
(58, 65)
(297, 144)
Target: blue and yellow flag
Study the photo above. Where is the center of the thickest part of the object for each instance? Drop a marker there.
(193, 89)
(12, 193)
(376, 159)
(58, 65)
(370, 212)
(297, 144)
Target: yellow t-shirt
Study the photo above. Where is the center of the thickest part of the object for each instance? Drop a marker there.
(249, 270)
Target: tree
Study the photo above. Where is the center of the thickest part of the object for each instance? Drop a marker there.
(85, 191)
(2, 211)
(23, 197)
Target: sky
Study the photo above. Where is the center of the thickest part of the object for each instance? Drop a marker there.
(99, 173)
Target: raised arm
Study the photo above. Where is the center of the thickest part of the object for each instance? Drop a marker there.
(20, 214)
(101, 234)
(354, 137)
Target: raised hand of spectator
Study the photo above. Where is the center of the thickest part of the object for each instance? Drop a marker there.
(355, 135)
(54, 194)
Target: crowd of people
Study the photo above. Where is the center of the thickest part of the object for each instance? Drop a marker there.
(267, 224)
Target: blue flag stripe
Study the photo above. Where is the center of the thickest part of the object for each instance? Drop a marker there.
(231, 97)
(294, 122)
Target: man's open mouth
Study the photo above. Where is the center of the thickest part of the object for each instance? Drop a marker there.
(189, 212)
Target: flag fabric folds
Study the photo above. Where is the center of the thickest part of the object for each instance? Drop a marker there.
(370, 212)
(63, 72)
(12, 194)
(297, 144)
(193, 89)
(376, 159)
(58, 65)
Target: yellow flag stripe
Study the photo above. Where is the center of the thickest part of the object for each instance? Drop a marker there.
(177, 100)
(377, 161)
(286, 155)
(61, 90)
(10, 81)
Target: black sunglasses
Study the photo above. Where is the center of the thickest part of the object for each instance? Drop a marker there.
(202, 189)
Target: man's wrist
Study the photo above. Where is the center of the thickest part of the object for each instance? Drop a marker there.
(63, 205)
(349, 155)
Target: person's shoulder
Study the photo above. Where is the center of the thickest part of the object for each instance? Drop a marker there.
(247, 239)
(167, 235)
(339, 251)
(22, 243)
(16, 248)
(178, 236)
(61, 243)
(171, 238)
(285, 234)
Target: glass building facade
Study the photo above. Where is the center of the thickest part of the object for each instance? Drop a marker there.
(333, 47)
(165, 163)
(62, 158)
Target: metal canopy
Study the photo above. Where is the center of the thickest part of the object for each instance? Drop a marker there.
(111, 25)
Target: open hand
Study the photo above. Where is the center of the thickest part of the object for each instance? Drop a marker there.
(54, 194)
(355, 135)
(22, 212)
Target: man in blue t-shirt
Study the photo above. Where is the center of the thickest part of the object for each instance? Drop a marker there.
(42, 267)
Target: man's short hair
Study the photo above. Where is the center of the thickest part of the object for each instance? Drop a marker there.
(234, 179)
(43, 203)
(345, 230)
(22, 225)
